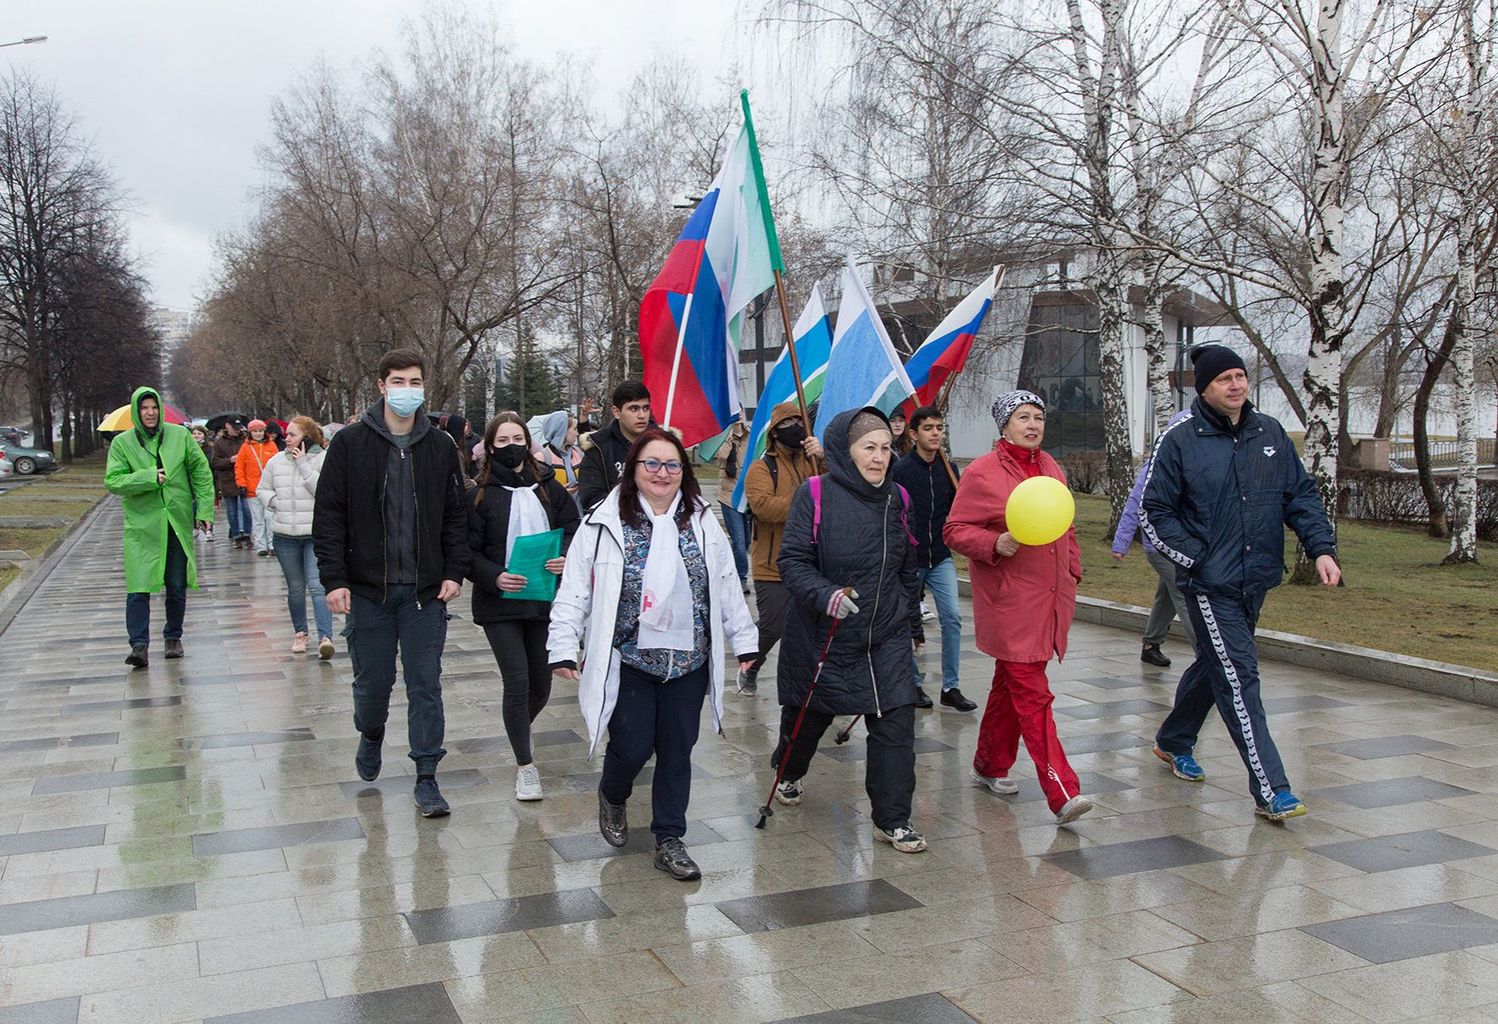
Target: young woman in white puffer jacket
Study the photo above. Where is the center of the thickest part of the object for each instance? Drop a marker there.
(288, 488)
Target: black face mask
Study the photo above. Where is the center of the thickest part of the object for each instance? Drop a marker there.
(509, 456)
(791, 435)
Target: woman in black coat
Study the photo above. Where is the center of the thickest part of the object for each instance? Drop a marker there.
(515, 496)
(853, 561)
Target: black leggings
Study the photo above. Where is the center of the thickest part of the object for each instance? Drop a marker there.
(520, 650)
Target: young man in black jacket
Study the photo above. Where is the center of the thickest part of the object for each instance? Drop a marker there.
(604, 461)
(390, 529)
(925, 475)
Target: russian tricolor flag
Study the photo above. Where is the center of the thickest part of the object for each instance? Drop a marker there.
(945, 350)
(691, 315)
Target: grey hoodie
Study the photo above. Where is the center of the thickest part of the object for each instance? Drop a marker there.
(400, 494)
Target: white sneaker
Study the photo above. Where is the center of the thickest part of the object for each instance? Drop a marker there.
(1004, 786)
(902, 838)
(1073, 809)
(528, 782)
(926, 613)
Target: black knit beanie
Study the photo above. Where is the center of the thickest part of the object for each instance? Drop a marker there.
(1211, 361)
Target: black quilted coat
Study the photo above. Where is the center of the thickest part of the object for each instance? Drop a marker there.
(863, 542)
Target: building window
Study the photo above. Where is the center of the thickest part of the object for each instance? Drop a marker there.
(1060, 363)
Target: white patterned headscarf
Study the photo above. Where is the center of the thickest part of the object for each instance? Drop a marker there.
(1009, 401)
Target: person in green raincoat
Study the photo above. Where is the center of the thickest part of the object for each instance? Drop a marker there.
(158, 472)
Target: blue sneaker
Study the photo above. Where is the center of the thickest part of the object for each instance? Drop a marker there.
(1284, 805)
(1182, 766)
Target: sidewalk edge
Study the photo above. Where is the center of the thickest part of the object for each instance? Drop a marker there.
(1434, 677)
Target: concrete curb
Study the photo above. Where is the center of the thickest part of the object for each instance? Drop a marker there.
(15, 595)
(1434, 677)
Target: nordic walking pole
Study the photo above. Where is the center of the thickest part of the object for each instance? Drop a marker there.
(847, 731)
(766, 811)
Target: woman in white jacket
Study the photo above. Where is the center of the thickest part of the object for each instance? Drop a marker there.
(288, 489)
(655, 622)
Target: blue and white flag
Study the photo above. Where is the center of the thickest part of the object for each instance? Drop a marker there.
(864, 368)
(813, 336)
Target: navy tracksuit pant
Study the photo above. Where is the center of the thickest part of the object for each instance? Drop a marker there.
(1226, 673)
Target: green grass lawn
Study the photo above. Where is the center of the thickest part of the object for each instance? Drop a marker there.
(31, 541)
(1397, 597)
(83, 481)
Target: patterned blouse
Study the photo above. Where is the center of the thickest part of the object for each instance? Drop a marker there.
(662, 663)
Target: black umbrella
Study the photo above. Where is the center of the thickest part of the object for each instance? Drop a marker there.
(216, 421)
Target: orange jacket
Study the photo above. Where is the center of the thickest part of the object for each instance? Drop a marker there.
(250, 463)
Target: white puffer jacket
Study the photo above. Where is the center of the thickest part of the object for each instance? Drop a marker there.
(288, 487)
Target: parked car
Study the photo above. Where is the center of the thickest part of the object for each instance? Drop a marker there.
(6, 468)
(14, 435)
(28, 460)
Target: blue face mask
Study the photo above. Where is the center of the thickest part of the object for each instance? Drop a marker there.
(404, 401)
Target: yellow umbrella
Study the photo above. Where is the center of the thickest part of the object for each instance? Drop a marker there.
(120, 419)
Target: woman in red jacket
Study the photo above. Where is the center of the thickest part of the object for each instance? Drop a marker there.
(1023, 599)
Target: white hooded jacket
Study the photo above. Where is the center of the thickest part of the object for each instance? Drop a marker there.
(587, 604)
(288, 488)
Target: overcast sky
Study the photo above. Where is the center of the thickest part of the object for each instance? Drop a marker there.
(174, 95)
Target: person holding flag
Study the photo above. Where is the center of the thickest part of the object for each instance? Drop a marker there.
(770, 483)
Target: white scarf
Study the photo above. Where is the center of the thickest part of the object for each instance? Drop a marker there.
(666, 591)
(527, 516)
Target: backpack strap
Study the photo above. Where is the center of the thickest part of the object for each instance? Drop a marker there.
(905, 515)
(815, 483)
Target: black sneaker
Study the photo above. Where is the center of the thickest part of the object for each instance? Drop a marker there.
(429, 798)
(921, 700)
(613, 823)
(671, 856)
(367, 760)
(174, 649)
(138, 657)
(1152, 655)
(954, 699)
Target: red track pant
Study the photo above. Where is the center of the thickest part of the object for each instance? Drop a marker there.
(1019, 704)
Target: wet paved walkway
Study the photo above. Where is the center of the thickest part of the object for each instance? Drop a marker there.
(191, 843)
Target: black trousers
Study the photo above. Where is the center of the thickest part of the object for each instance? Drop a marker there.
(889, 773)
(773, 599)
(660, 718)
(525, 672)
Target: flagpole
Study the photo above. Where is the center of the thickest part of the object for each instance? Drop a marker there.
(945, 395)
(777, 262)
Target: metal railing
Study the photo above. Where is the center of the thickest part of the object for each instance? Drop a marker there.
(1443, 454)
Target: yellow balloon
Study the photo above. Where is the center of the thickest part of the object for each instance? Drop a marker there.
(1040, 510)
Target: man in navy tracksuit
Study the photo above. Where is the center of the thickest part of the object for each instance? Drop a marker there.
(1225, 482)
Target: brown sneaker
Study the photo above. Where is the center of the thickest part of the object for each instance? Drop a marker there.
(299, 644)
(325, 648)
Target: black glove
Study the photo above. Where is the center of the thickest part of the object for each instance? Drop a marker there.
(244, 492)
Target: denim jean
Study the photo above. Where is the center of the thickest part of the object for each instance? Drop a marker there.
(737, 526)
(138, 605)
(299, 564)
(375, 630)
(660, 718)
(237, 511)
(941, 578)
(259, 523)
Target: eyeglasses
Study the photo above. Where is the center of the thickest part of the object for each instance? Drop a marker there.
(673, 466)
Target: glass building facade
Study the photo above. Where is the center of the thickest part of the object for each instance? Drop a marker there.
(1060, 363)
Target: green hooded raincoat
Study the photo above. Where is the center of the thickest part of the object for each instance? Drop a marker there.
(151, 509)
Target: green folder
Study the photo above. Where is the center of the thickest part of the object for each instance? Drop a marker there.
(528, 558)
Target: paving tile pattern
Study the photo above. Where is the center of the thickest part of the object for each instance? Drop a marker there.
(190, 843)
